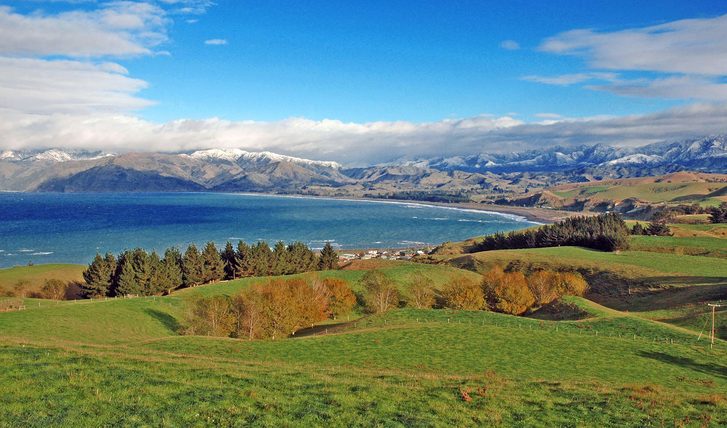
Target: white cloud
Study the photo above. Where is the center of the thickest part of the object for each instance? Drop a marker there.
(38, 86)
(673, 87)
(686, 59)
(510, 45)
(117, 29)
(353, 143)
(215, 42)
(571, 79)
(690, 46)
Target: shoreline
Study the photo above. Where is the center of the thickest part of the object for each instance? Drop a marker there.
(529, 214)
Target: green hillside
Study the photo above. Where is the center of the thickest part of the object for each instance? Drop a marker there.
(37, 274)
(122, 362)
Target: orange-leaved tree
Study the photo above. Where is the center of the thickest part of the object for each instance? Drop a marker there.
(463, 293)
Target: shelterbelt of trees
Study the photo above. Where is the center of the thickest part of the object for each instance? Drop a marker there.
(606, 232)
(278, 308)
(138, 272)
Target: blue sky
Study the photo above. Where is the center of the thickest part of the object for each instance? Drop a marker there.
(502, 65)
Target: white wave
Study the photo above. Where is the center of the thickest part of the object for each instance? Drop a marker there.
(42, 253)
(25, 250)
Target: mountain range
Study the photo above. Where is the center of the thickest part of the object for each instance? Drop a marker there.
(235, 170)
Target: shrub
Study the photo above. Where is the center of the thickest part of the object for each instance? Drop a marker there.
(463, 293)
(54, 289)
(658, 228)
(380, 295)
(341, 299)
(508, 292)
(211, 316)
(544, 284)
(571, 284)
(21, 289)
(7, 305)
(421, 295)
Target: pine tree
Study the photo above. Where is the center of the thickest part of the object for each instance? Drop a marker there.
(261, 259)
(172, 270)
(328, 259)
(156, 284)
(127, 282)
(281, 264)
(230, 260)
(98, 276)
(192, 267)
(213, 267)
(242, 259)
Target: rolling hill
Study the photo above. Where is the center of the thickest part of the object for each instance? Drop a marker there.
(406, 367)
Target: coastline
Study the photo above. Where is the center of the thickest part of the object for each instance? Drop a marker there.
(530, 214)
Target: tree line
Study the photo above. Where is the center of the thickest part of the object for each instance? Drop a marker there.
(278, 308)
(606, 232)
(272, 309)
(507, 291)
(138, 272)
(654, 228)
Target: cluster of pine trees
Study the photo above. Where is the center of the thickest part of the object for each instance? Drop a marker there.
(138, 272)
(655, 228)
(606, 232)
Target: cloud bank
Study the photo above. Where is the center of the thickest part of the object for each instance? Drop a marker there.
(354, 143)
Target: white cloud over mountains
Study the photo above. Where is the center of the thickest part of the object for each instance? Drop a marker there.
(354, 143)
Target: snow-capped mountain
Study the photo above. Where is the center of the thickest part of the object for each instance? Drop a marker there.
(708, 154)
(51, 155)
(233, 170)
(238, 155)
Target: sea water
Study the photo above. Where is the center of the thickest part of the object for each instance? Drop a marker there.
(72, 228)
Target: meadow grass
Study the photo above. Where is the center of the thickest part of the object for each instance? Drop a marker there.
(633, 263)
(37, 274)
(122, 361)
(695, 246)
(408, 367)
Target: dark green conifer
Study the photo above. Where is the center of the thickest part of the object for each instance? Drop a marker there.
(230, 261)
(192, 267)
(98, 276)
(328, 259)
(213, 267)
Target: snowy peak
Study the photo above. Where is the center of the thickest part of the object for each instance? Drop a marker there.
(53, 155)
(50, 155)
(238, 156)
(636, 159)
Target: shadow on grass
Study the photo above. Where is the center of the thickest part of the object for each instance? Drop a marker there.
(717, 370)
(658, 293)
(167, 320)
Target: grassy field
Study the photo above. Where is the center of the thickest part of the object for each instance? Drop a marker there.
(681, 187)
(695, 246)
(37, 274)
(407, 367)
(666, 279)
(634, 358)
